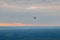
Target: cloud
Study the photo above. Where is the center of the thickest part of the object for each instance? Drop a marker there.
(6, 5)
(50, 7)
(46, 11)
(17, 7)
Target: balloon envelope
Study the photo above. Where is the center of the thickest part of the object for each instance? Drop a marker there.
(34, 17)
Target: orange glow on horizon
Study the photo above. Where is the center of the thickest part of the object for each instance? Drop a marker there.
(14, 24)
(21, 24)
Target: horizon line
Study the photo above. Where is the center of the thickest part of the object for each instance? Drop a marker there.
(22, 24)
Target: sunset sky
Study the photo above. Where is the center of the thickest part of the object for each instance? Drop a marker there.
(22, 12)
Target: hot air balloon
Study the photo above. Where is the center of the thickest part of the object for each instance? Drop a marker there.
(34, 17)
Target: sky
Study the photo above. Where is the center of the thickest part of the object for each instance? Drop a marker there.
(23, 12)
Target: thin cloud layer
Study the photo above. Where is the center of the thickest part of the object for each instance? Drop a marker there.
(23, 11)
(54, 7)
(5, 5)
(15, 6)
